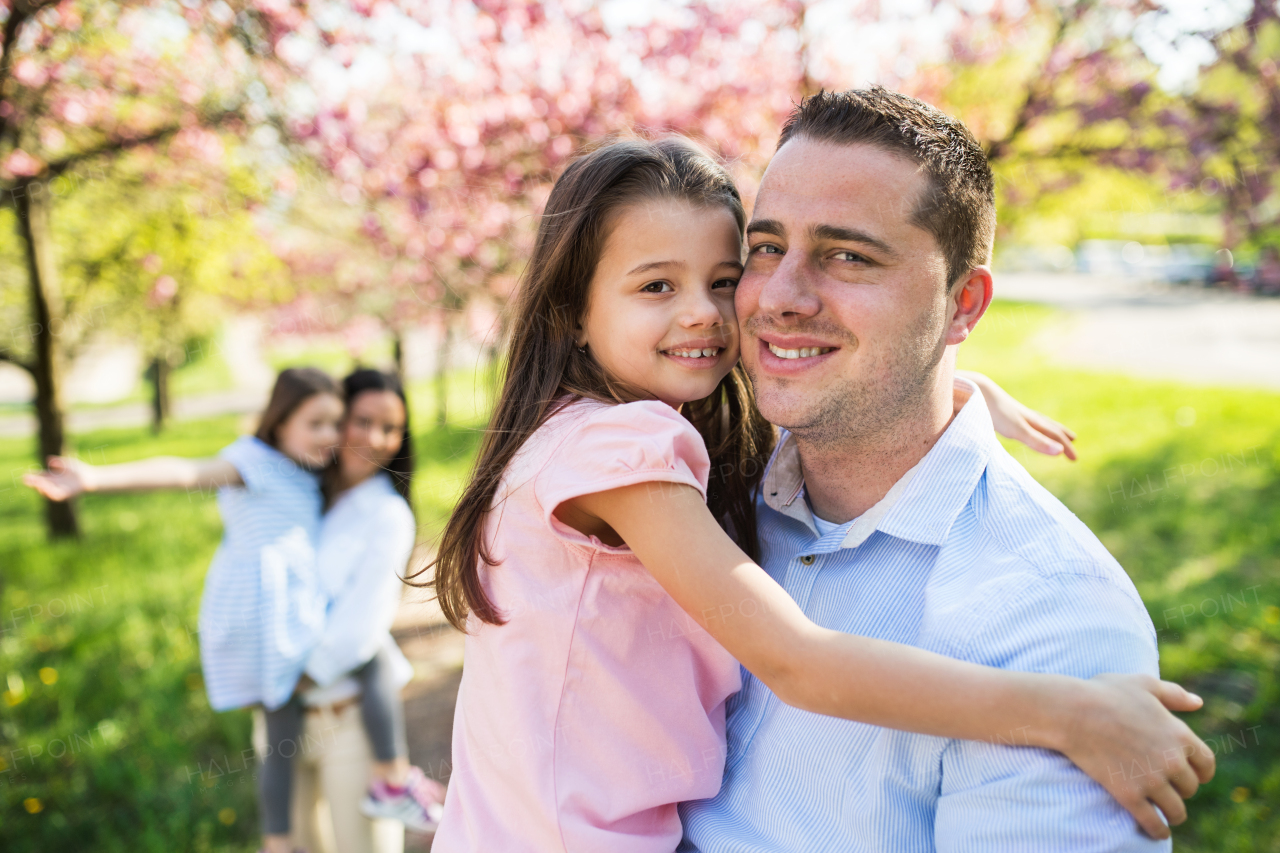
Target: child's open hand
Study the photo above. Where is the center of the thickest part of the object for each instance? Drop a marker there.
(65, 479)
(1022, 423)
(1125, 739)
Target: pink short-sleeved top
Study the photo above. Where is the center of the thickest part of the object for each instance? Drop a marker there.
(600, 704)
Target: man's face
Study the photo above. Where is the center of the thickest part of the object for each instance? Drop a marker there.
(843, 305)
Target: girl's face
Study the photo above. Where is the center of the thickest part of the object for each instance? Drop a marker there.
(371, 434)
(310, 435)
(660, 308)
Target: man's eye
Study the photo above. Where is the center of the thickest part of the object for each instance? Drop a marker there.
(656, 287)
(765, 249)
(724, 282)
(852, 257)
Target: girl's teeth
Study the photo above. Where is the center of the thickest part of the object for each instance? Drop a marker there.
(695, 353)
(803, 352)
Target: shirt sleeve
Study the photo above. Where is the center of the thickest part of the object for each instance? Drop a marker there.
(622, 445)
(1011, 798)
(359, 619)
(257, 463)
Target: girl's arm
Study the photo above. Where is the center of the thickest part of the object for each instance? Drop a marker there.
(69, 477)
(1018, 422)
(1095, 723)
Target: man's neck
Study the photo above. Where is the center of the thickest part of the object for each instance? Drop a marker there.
(845, 479)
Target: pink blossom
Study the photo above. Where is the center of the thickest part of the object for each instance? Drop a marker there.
(21, 164)
(73, 111)
(28, 73)
(163, 291)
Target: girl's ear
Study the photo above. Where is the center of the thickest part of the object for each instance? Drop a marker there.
(579, 337)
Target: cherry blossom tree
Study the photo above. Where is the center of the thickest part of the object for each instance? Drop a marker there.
(84, 83)
(1058, 90)
(1229, 126)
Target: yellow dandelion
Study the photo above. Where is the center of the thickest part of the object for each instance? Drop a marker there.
(32, 805)
(49, 675)
(227, 816)
(1239, 795)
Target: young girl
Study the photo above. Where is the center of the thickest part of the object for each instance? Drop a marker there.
(591, 704)
(263, 609)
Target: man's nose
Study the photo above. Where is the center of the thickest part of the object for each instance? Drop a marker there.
(790, 293)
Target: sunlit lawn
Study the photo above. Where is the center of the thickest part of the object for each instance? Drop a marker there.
(108, 744)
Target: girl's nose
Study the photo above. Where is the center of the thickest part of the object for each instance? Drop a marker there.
(699, 309)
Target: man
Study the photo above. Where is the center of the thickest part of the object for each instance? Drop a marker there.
(890, 510)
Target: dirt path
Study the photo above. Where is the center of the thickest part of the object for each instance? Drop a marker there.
(435, 650)
(1178, 332)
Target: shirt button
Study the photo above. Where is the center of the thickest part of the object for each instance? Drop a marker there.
(808, 559)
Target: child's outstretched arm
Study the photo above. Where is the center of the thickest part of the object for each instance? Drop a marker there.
(1095, 723)
(1021, 423)
(69, 477)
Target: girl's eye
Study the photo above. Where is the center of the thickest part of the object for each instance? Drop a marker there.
(656, 287)
(725, 282)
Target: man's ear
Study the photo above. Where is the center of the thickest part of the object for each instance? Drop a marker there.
(969, 300)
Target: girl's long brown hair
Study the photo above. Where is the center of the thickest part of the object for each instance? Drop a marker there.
(544, 368)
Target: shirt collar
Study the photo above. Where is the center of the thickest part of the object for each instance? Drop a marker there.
(923, 504)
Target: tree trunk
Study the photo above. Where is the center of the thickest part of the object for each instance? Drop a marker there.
(31, 202)
(397, 353)
(161, 406)
(442, 374)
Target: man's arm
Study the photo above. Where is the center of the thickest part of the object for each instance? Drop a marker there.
(996, 797)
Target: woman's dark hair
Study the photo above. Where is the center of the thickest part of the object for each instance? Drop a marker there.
(401, 465)
(543, 368)
(294, 386)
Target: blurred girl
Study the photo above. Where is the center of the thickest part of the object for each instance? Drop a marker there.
(590, 703)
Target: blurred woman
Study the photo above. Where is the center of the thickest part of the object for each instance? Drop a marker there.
(366, 539)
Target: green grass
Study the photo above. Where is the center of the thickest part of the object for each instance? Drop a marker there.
(114, 614)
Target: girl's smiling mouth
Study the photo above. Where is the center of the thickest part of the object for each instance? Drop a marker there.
(696, 354)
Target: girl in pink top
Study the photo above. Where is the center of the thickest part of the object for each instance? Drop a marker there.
(605, 605)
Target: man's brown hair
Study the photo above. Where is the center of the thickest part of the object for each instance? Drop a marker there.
(958, 207)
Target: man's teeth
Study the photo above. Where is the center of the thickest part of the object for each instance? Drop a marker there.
(803, 352)
(709, 352)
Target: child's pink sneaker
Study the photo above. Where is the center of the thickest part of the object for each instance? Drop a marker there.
(418, 805)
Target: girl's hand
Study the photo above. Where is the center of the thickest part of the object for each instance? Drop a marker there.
(65, 479)
(1121, 734)
(1018, 422)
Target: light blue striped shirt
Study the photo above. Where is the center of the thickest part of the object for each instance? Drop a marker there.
(263, 607)
(966, 556)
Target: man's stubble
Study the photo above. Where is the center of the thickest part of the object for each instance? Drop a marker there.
(865, 410)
